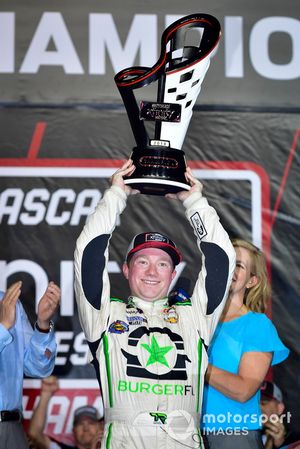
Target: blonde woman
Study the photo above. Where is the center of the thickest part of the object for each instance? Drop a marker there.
(244, 346)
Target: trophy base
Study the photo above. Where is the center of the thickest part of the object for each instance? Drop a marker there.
(158, 170)
(156, 186)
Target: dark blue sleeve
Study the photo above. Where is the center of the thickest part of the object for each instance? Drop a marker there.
(217, 268)
(92, 268)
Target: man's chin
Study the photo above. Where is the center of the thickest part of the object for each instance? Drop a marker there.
(86, 440)
(149, 299)
(149, 296)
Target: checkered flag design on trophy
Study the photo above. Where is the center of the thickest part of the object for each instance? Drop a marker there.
(186, 49)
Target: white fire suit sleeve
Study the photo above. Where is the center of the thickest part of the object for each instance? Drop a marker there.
(92, 287)
(218, 264)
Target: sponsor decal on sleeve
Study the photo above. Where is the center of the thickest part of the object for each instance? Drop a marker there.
(198, 225)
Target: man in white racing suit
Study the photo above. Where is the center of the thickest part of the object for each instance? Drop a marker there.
(150, 353)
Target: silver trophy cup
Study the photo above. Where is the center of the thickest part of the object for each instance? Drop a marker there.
(186, 49)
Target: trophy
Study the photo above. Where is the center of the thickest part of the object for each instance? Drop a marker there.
(186, 48)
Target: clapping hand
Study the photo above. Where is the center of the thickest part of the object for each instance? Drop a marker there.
(8, 305)
(48, 305)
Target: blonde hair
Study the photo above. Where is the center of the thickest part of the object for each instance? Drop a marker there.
(257, 296)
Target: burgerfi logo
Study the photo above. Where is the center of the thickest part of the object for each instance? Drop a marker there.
(157, 389)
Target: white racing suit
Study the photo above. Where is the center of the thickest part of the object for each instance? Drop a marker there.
(150, 358)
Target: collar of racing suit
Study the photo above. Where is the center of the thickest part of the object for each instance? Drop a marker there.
(149, 306)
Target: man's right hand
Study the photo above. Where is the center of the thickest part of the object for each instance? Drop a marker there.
(117, 178)
(8, 305)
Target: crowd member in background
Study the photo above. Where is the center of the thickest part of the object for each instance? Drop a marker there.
(275, 434)
(272, 406)
(23, 351)
(87, 425)
(149, 352)
(244, 346)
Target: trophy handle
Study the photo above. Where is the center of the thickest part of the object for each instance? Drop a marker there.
(176, 60)
(132, 108)
(179, 71)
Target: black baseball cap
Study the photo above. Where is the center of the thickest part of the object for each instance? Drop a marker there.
(154, 240)
(86, 411)
(270, 390)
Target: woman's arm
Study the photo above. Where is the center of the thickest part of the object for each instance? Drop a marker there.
(240, 387)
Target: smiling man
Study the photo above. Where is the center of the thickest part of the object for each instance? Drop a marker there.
(149, 351)
(150, 265)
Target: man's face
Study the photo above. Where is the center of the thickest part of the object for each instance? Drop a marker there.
(86, 431)
(149, 273)
(270, 406)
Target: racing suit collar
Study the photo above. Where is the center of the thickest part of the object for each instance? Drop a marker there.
(159, 304)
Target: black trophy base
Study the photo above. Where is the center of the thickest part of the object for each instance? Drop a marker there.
(158, 171)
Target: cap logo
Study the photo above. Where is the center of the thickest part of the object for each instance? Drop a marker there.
(155, 240)
(155, 237)
(270, 390)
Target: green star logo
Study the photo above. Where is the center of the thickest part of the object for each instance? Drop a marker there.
(157, 354)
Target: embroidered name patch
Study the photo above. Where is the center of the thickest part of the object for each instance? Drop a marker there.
(136, 320)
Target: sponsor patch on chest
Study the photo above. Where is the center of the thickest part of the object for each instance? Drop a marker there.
(170, 315)
(118, 327)
(136, 320)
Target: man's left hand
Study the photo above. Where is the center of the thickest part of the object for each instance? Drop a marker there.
(195, 184)
(48, 305)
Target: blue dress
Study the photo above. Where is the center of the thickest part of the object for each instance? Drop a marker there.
(252, 332)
